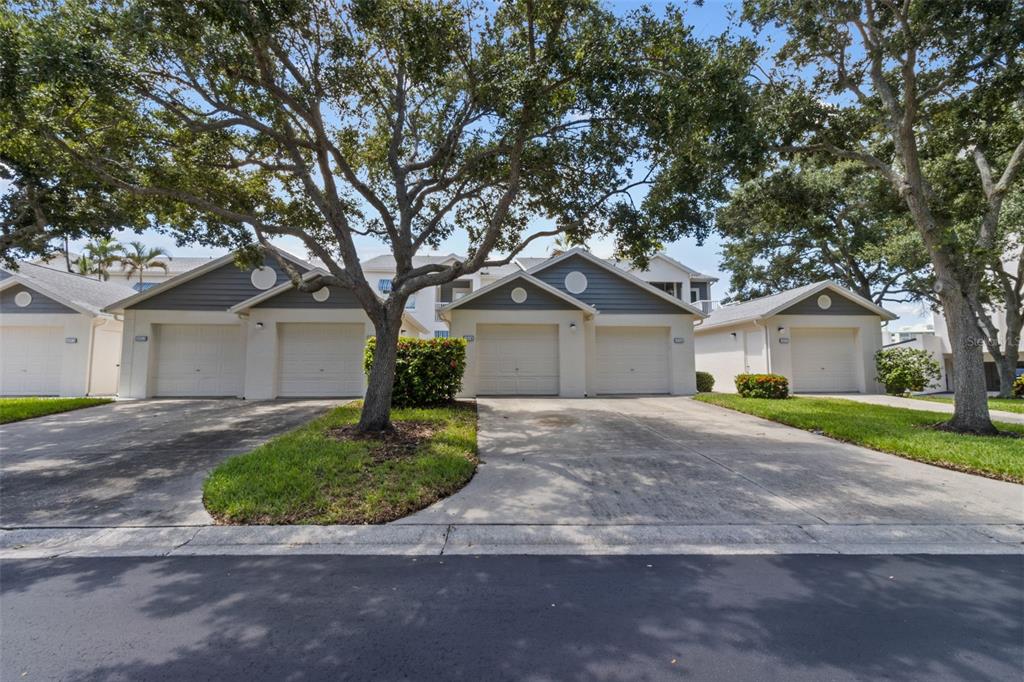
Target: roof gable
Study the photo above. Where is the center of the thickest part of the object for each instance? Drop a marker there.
(509, 282)
(537, 298)
(838, 305)
(40, 303)
(82, 294)
(218, 285)
(797, 301)
(290, 297)
(609, 289)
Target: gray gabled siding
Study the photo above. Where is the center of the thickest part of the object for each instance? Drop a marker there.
(606, 291)
(216, 290)
(501, 299)
(840, 306)
(293, 298)
(40, 304)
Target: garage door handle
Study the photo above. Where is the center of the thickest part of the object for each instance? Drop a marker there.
(197, 369)
(321, 370)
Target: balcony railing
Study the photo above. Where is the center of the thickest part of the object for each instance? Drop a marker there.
(707, 306)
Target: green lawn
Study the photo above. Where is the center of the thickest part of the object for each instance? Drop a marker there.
(894, 430)
(308, 476)
(1004, 404)
(16, 409)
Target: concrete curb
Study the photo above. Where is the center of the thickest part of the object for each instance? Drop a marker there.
(470, 539)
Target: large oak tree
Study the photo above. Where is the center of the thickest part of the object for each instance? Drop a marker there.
(804, 222)
(915, 90)
(408, 121)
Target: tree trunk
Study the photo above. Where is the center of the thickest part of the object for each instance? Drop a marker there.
(970, 408)
(1007, 368)
(376, 414)
(1007, 361)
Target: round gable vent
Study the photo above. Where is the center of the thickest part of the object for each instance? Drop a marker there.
(824, 302)
(263, 278)
(519, 295)
(576, 282)
(321, 294)
(22, 299)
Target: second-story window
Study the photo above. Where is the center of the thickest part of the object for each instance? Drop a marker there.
(410, 304)
(674, 288)
(384, 286)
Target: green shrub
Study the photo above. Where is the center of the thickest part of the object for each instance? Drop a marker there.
(1018, 387)
(902, 370)
(427, 371)
(705, 382)
(773, 386)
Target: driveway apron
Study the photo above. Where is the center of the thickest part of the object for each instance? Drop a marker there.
(672, 460)
(137, 463)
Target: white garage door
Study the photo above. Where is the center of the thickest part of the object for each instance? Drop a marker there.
(199, 360)
(30, 360)
(824, 360)
(321, 359)
(517, 359)
(632, 360)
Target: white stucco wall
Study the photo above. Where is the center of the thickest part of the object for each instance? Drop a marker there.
(683, 379)
(75, 356)
(261, 347)
(577, 348)
(138, 357)
(572, 381)
(725, 351)
(257, 346)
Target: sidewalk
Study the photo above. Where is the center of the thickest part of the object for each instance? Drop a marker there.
(479, 539)
(924, 405)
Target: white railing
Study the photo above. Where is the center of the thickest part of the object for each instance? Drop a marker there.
(707, 306)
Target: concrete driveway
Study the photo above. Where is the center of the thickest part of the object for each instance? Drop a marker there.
(672, 460)
(139, 463)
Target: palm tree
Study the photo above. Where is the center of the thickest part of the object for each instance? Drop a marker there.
(562, 243)
(141, 258)
(84, 266)
(104, 252)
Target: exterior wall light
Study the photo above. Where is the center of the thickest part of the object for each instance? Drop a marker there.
(572, 326)
(259, 325)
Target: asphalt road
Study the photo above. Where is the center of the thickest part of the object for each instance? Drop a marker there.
(494, 618)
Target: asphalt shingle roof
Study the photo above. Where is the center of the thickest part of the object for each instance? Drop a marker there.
(85, 292)
(753, 309)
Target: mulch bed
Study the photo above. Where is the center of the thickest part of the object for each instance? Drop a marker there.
(400, 442)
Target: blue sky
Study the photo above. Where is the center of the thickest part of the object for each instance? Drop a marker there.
(710, 19)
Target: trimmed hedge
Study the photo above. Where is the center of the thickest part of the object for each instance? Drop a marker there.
(705, 382)
(427, 371)
(1018, 387)
(902, 370)
(773, 386)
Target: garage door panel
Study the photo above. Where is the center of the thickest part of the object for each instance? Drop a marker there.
(824, 360)
(31, 360)
(198, 360)
(320, 360)
(632, 360)
(517, 359)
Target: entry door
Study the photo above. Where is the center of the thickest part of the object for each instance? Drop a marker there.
(199, 360)
(632, 360)
(824, 360)
(321, 360)
(30, 360)
(517, 359)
